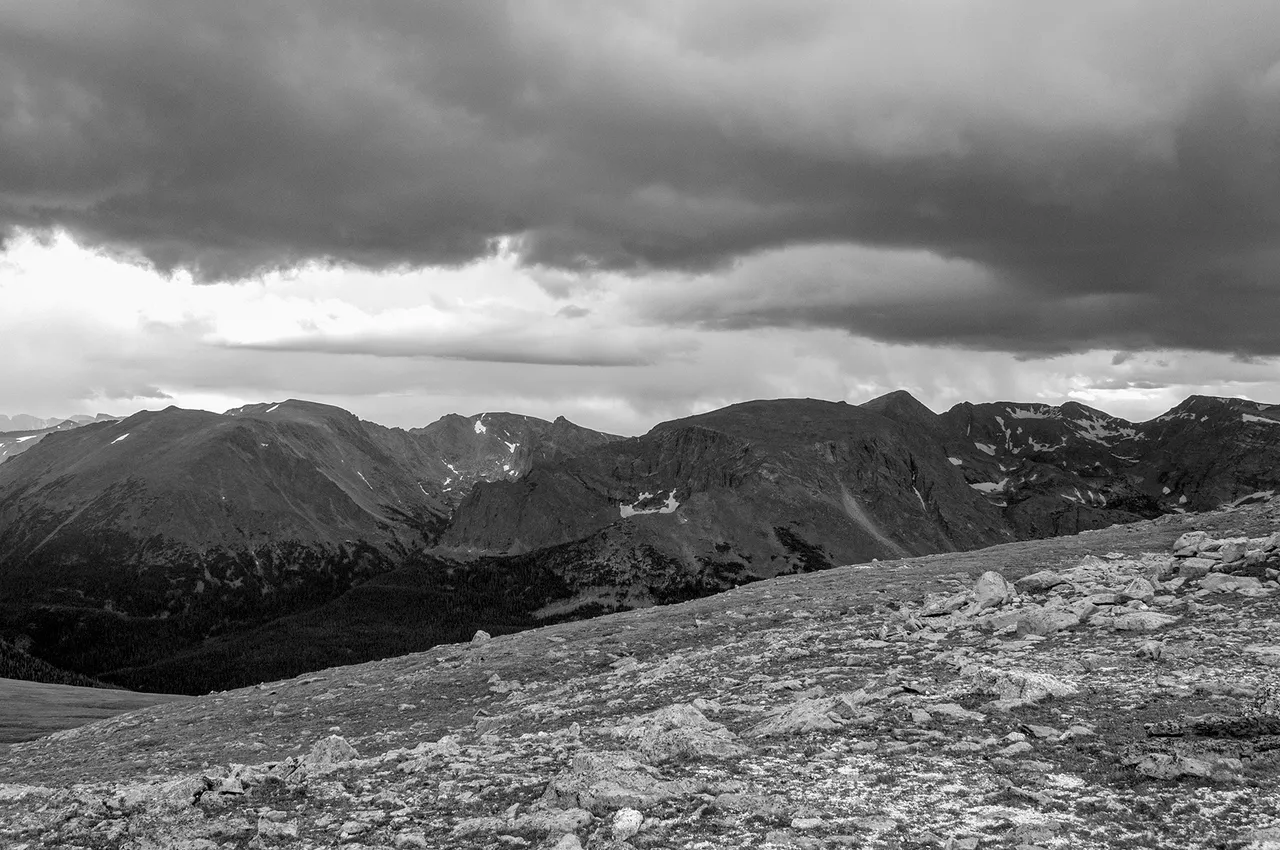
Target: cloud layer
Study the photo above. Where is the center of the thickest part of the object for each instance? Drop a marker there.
(994, 175)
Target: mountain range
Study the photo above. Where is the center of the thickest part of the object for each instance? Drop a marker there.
(22, 432)
(27, 422)
(184, 550)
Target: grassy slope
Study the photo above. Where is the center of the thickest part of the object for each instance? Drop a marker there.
(31, 709)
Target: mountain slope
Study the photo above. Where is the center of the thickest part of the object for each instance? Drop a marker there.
(14, 442)
(27, 423)
(121, 542)
(1210, 451)
(755, 489)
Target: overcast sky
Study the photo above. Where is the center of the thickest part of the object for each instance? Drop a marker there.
(627, 211)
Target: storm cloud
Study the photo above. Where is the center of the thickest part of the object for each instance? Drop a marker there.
(1028, 177)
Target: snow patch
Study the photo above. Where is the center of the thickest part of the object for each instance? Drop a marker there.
(365, 480)
(1182, 500)
(480, 429)
(511, 447)
(271, 408)
(1245, 417)
(1166, 491)
(921, 498)
(1099, 431)
(37, 436)
(632, 510)
(990, 486)
(955, 461)
(1021, 413)
(118, 439)
(983, 447)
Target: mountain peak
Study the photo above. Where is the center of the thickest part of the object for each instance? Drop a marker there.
(901, 406)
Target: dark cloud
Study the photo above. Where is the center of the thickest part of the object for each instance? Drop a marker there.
(1113, 169)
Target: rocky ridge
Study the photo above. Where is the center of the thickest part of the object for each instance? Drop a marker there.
(1118, 687)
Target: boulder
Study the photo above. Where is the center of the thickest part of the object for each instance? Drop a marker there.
(1234, 550)
(1046, 621)
(1189, 542)
(626, 824)
(1195, 567)
(1041, 581)
(1176, 766)
(1242, 585)
(607, 781)
(552, 821)
(806, 715)
(1140, 589)
(990, 591)
(942, 604)
(680, 731)
(1013, 687)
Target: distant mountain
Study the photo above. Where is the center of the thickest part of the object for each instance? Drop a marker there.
(750, 491)
(26, 422)
(767, 487)
(195, 521)
(169, 549)
(14, 443)
(1060, 470)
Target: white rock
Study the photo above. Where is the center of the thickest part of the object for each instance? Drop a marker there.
(626, 823)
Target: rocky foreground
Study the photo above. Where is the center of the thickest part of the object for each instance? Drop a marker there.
(1116, 688)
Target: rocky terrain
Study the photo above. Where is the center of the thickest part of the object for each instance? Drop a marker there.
(1114, 688)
